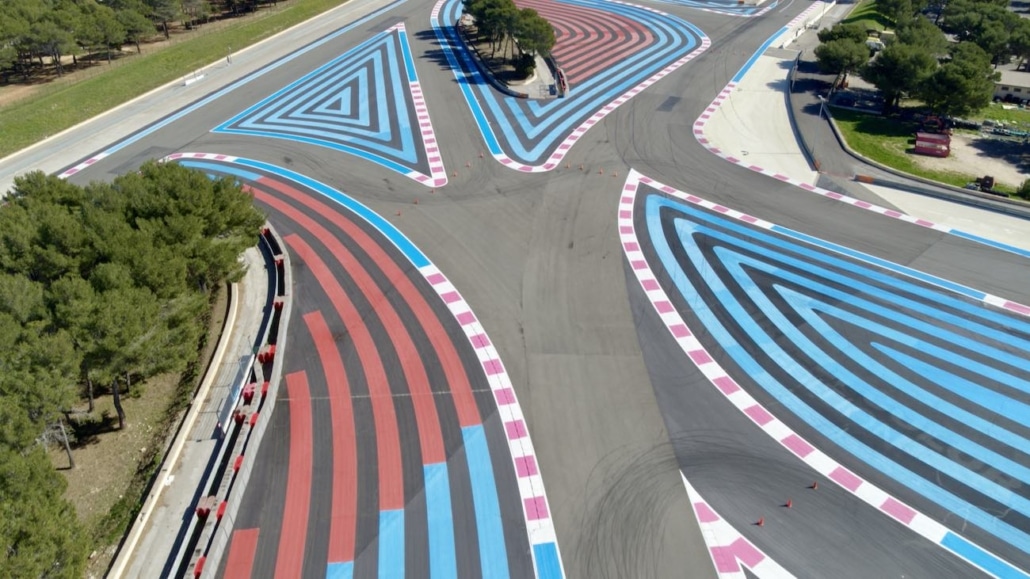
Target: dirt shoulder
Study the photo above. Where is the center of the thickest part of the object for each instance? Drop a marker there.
(113, 467)
(1008, 161)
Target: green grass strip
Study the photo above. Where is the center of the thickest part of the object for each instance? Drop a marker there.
(866, 14)
(887, 140)
(1014, 116)
(32, 120)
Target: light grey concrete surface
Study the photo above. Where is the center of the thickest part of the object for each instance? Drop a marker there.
(754, 124)
(750, 126)
(79, 142)
(174, 508)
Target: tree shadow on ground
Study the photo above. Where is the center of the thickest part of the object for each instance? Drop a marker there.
(86, 428)
(501, 71)
(436, 55)
(1015, 153)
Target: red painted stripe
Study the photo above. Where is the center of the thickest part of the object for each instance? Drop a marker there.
(426, 419)
(391, 484)
(446, 353)
(344, 515)
(589, 40)
(240, 561)
(293, 534)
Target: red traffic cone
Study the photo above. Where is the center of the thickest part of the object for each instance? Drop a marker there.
(788, 504)
(815, 486)
(760, 522)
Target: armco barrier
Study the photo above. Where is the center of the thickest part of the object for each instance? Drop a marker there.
(805, 147)
(253, 414)
(221, 477)
(171, 457)
(798, 26)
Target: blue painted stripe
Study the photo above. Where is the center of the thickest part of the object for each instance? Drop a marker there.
(671, 34)
(990, 242)
(548, 564)
(758, 54)
(998, 403)
(975, 310)
(219, 168)
(284, 115)
(261, 71)
(391, 544)
(417, 258)
(493, 554)
(451, 49)
(409, 63)
(368, 156)
(844, 439)
(981, 558)
(442, 559)
(973, 392)
(955, 287)
(357, 50)
(807, 308)
(925, 306)
(340, 570)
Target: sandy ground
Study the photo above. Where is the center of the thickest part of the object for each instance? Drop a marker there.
(106, 462)
(1007, 161)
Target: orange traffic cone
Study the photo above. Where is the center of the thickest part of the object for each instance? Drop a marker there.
(761, 522)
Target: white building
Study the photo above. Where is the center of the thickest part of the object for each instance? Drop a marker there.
(1013, 83)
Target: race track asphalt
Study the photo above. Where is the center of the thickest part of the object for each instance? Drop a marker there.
(614, 408)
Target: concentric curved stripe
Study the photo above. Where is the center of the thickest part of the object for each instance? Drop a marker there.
(868, 357)
(534, 135)
(588, 40)
(481, 513)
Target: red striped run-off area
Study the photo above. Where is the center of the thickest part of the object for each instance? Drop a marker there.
(589, 40)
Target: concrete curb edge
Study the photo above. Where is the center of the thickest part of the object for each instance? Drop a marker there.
(171, 459)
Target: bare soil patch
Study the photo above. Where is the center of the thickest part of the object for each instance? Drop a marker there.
(112, 465)
(1007, 161)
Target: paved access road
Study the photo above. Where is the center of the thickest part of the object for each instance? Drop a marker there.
(385, 109)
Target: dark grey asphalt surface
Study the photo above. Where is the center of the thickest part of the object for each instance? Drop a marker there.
(539, 260)
(814, 359)
(745, 475)
(262, 503)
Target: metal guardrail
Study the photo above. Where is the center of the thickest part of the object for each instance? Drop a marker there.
(252, 394)
(912, 183)
(171, 457)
